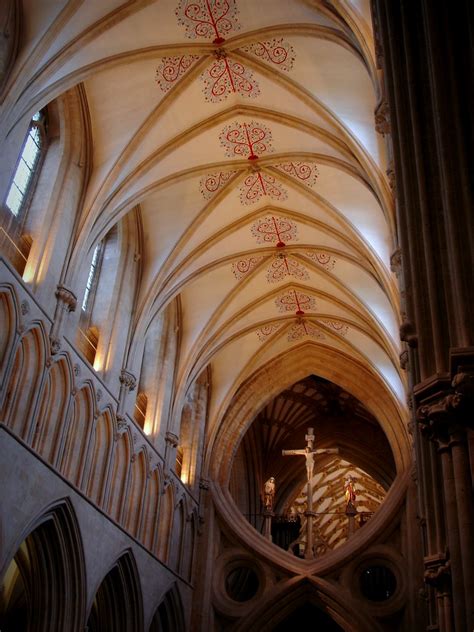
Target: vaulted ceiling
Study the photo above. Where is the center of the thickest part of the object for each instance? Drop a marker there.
(245, 133)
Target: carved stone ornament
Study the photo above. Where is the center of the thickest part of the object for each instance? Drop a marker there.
(99, 395)
(396, 261)
(408, 333)
(24, 308)
(68, 298)
(122, 426)
(128, 380)
(172, 439)
(55, 345)
(451, 411)
(391, 176)
(77, 370)
(382, 118)
(438, 573)
(204, 484)
(404, 360)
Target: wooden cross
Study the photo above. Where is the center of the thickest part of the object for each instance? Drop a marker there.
(309, 452)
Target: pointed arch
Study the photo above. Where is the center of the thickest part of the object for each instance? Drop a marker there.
(49, 562)
(118, 601)
(99, 457)
(136, 493)
(25, 380)
(177, 536)
(151, 510)
(333, 607)
(122, 454)
(9, 320)
(168, 616)
(52, 408)
(165, 524)
(78, 435)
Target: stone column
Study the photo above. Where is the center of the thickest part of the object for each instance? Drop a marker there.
(267, 524)
(66, 303)
(172, 442)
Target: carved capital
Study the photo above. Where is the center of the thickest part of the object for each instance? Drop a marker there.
(122, 426)
(391, 177)
(396, 261)
(128, 380)
(408, 333)
(382, 118)
(54, 344)
(204, 484)
(438, 572)
(404, 360)
(66, 297)
(172, 439)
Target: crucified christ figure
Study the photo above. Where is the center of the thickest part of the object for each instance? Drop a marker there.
(309, 453)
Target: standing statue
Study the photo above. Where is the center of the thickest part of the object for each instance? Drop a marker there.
(269, 494)
(350, 491)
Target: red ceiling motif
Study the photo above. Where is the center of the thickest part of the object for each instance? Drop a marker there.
(210, 184)
(246, 140)
(208, 18)
(267, 330)
(258, 184)
(295, 301)
(242, 267)
(341, 328)
(274, 230)
(283, 266)
(306, 172)
(276, 51)
(226, 76)
(172, 68)
(304, 328)
(321, 258)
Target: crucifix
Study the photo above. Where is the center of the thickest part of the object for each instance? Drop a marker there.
(309, 452)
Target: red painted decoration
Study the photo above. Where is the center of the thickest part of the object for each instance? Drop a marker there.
(246, 139)
(226, 76)
(258, 184)
(210, 184)
(341, 328)
(208, 18)
(267, 330)
(321, 258)
(307, 172)
(283, 266)
(276, 51)
(303, 328)
(295, 300)
(172, 68)
(242, 267)
(274, 230)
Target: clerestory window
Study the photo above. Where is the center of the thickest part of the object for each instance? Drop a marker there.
(27, 170)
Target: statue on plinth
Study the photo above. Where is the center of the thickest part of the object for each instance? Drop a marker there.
(269, 494)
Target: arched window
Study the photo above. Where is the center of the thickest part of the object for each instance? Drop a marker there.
(27, 170)
(15, 245)
(92, 278)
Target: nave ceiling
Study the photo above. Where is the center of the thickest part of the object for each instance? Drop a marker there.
(244, 133)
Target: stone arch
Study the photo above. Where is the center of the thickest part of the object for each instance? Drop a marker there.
(98, 458)
(177, 536)
(25, 381)
(169, 613)
(187, 557)
(52, 408)
(151, 510)
(136, 493)
(118, 602)
(122, 454)
(9, 320)
(285, 370)
(165, 524)
(78, 435)
(334, 607)
(49, 561)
